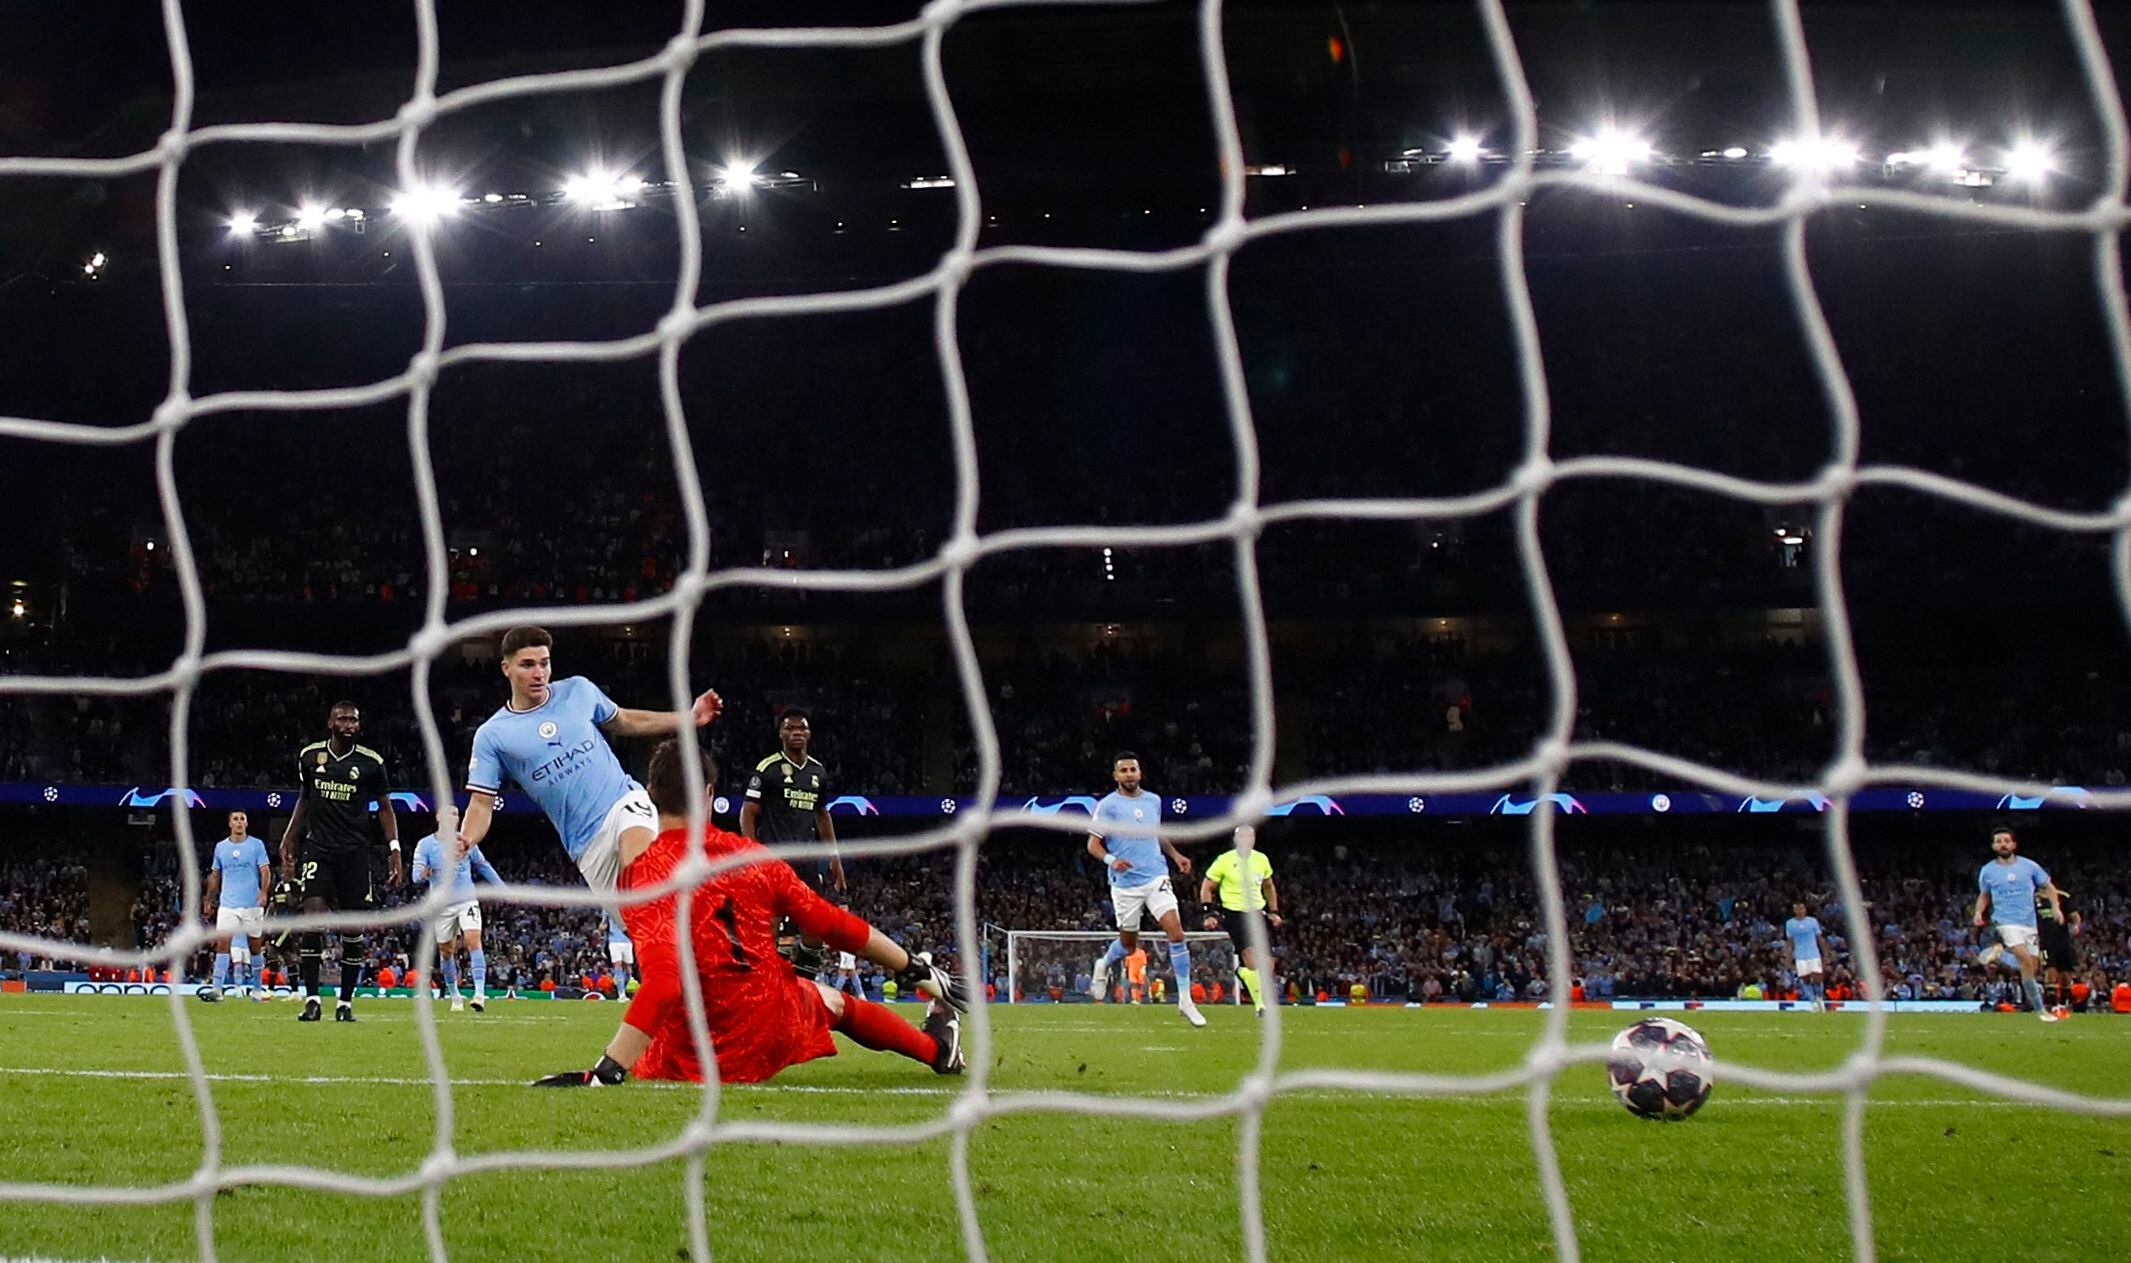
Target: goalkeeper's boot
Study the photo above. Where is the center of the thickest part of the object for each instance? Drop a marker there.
(311, 1011)
(1189, 1011)
(343, 1012)
(210, 993)
(607, 1074)
(945, 1027)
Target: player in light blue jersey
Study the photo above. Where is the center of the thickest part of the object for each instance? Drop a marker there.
(551, 738)
(2007, 889)
(1809, 954)
(236, 890)
(1127, 839)
(461, 918)
(621, 953)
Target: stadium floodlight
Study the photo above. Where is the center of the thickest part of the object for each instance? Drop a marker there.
(242, 223)
(1825, 154)
(1735, 152)
(1946, 157)
(425, 204)
(2029, 161)
(1611, 151)
(601, 189)
(310, 217)
(1465, 149)
(737, 175)
(17, 609)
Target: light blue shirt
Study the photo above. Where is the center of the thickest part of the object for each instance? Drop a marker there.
(1804, 933)
(1130, 829)
(557, 755)
(432, 863)
(615, 932)
(2012, 888)
(239, 862)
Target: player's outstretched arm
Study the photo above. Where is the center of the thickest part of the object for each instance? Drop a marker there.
(1176, 857)
(1271, 894)
(663, 723)
(390, 823)
(1102, 853)
(486, 871)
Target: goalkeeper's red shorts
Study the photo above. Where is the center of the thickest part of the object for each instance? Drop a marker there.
(762, 1016)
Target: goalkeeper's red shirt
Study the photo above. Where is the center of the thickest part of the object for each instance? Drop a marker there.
(762, 1016)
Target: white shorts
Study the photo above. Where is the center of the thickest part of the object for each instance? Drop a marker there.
(601, 860)
(245, 921)
(1154, 898)
(846, 962)
(1809, 967)
(621, 952)
(2017, 937)
(457, 919)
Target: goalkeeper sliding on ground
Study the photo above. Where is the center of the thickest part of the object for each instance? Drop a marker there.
(762, 1016)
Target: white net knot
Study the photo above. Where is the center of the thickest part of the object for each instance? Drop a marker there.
(174, 412)
(1245, 520)
(422, 370)
(677, 326)
(1552, 756)
(419, 112)
(681, 52)
(172, 145)
(1844, 777)
(439, 1165)
(430, 643)
(955, 267)
(1534, 476)
(1836, 482)
(969, 1110)
(1226, 236)
(941, 12)
(1251, 804)
(1256, 1090)
(693, 869)
(961, 552)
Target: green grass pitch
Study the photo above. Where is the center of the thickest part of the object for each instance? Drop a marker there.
(94, 1093)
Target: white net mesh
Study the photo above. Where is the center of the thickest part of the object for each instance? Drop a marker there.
(1549, 1055)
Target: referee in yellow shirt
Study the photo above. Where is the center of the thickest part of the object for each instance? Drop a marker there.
(1245, 879)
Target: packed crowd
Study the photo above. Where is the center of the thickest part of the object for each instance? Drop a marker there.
(1458, 922)
(1342, 706)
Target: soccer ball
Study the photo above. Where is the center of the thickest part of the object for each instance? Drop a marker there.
(1661, 1069)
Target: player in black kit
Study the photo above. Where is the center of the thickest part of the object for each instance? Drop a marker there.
(329, 842)
(2060, 955)
(788, 801)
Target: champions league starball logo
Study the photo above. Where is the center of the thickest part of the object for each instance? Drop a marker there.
(855, 804)
(1083, 803)
(1769, 806)
(2062, 795)
(135, 798)
(1318, 804)
(1510, 805)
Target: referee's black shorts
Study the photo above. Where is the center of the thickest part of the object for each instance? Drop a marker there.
(341, 878)
(2058, 952)
(1235, 923)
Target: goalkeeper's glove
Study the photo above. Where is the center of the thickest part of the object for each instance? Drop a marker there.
(607, 1074)
(926, 978)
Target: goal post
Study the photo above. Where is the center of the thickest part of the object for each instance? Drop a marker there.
(1047, 958)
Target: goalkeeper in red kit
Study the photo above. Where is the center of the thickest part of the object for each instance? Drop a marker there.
(761, 1014)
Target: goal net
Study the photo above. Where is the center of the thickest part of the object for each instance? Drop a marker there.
(1059, 965)
(1539, 769)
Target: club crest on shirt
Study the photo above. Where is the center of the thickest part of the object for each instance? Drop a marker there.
(321, 758)
(548, 730)
(1139, 813)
